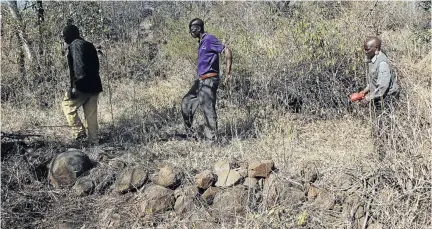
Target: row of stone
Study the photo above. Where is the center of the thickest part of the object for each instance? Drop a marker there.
(67, 167)
(170, 177)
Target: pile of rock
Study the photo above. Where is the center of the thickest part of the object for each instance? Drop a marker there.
(227, 190)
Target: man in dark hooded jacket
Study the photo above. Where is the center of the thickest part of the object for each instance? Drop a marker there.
(85, 85)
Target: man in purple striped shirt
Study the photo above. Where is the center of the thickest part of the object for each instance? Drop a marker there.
(203, 92)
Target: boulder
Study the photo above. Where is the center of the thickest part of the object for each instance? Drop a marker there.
(250, 182)
(189, 190)
(66, 167)
(204, 179)
(169, 177)
(184, 204)
(103, 177)
(83, 187)
(276, 192)
(260, 168)
(228, 178)
(230, 202)
(130, 179)
(221, 166)
(157, 199)
(209, 195)
(243, 172)
(270, 192)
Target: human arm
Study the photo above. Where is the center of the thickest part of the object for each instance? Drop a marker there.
(382, 82)
(77, 50)
(228, 60)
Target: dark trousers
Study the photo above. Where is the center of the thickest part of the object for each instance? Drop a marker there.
(202, 93)
(384, 112)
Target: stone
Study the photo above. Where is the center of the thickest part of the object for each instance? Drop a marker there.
(230, 202)
(312, 192)
(270, 192)
(104, 177)
(189, 190)
(242, 172)
(184, 204)
(250, 182)
(66, 167)
(169, 177)
(221, 166)
(269, 163)
(209, 194)
(204, 179)
(131, 179)
(260, 168)
(157, 199)
(309, 173)
(228, 178)
(276, 193)
(83, 187)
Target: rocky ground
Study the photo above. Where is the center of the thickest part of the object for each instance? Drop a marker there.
(185, 183)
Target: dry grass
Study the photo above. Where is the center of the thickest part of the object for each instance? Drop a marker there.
(140, 122)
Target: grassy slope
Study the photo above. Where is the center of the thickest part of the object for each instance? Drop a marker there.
(144, 128)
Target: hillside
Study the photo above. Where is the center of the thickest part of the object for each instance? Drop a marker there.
(325, 174)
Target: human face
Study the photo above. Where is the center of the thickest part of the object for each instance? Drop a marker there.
(194, 31)
(370, 49)
(68, 38)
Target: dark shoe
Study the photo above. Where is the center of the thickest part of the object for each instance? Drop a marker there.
(81, 137)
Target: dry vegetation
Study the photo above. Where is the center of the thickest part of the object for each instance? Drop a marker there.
(283, 51)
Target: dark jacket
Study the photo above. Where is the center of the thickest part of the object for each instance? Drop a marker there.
(83, 64)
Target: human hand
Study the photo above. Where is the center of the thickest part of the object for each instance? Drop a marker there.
(356, 96)
(364, 101)
(72, 93)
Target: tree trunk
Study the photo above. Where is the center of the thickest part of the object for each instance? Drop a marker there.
(40, 19)
(13, 8)
(21, 58)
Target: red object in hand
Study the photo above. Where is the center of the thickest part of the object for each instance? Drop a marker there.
(356, 96)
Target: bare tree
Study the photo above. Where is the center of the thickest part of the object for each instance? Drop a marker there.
(13, 8)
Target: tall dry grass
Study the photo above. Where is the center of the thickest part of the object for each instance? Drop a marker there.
(310, 51)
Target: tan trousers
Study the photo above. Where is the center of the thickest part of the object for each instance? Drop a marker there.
(89, 104)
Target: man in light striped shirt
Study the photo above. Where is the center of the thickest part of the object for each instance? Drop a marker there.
(382, 92)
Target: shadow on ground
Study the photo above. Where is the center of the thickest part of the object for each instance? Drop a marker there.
(165, 124)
